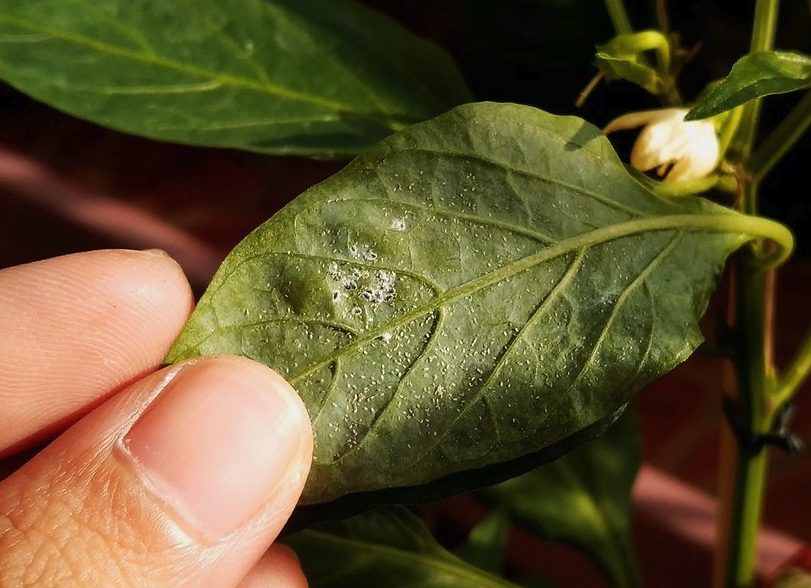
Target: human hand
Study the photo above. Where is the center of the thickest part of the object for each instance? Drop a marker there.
(180, 476)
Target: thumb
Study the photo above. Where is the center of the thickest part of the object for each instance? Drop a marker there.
(184, 478)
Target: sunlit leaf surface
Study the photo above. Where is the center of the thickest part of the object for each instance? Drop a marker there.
(481, 287)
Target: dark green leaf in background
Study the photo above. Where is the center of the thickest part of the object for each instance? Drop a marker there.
(484, 547)
(755, 76)
(582, 499)
(473, 289)
(386, 548)
(313, 77)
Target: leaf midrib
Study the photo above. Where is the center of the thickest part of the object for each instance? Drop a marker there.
(711, 223)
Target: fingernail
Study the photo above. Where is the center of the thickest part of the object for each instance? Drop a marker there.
(219, 440)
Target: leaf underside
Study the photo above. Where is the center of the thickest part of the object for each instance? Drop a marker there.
(485, 286)
(311, 77)
(754, 76)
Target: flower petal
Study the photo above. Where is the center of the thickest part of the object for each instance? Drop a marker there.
(636, 119)
(701, 160)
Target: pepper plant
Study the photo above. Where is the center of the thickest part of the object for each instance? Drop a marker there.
(473, 302)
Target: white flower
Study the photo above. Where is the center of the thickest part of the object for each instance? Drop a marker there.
(680, 150)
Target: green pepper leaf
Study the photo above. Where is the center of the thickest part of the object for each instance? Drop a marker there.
(386, 548)
(582, 499)
(755, 76)
(482, 287)
(311, 77)
(485, 544)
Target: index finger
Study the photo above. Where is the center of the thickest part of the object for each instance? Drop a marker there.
(75, 329)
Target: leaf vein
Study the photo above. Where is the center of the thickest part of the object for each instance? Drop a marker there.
(687, 222)
(639, 280)
(133, 34)
(148, 89)
(378, 418)
(336, 373)
(231, 43)
(565, 278)
(527, 174)
(473, 219)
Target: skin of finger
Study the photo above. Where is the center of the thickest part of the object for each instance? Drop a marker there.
(73, 516)
(76, 329)
(278, 568)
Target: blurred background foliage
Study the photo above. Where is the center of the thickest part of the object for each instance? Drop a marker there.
(540, 53)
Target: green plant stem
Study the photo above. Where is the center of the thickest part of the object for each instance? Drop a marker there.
(661, 16)
(687, 188)
(763, 33)
(750, 478)
(619, 17)
(765, 25)
(671, 96)
(796, 373)
(781, 140)
(729, 129)
(754, 290)
(743, 476)
(622, 26)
